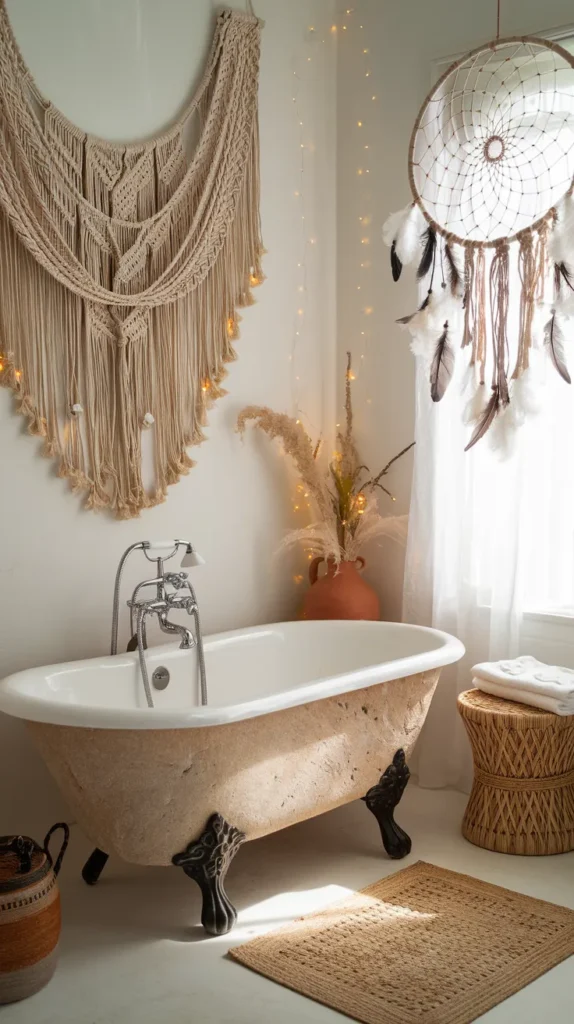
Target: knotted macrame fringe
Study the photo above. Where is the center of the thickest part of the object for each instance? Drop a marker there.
(123, 269)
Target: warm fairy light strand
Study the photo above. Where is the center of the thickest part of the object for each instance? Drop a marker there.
(360, 128)
(307, 239)
(365, 309)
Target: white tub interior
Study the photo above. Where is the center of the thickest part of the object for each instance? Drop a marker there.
(251, 671)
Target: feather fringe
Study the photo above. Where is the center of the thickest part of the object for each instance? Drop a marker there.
(403, 230)
(429, 253)
(396, 265)
(453, 272)
(555, 343)
(486, 419)
(405, 320)
(442, 367)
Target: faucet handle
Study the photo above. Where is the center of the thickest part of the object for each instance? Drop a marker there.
(177, 579)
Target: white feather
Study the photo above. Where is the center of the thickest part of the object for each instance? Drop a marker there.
(503, 434)
(524, 396)
(394, 223)
(423, 345)
(408, 237)
(469, 382)
(476, 405)
(542, 314)
(561, 241)
(565, 302)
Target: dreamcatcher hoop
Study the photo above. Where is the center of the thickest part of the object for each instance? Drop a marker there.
(491, 171)
(468, 63)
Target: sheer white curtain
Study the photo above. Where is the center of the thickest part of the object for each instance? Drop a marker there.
(488, 539)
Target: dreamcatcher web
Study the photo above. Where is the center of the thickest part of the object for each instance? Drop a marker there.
(491, 169)
(493, 148)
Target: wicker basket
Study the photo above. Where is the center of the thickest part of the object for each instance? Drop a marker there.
(522, 798)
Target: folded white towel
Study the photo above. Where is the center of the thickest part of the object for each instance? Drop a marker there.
(529, 681)
(536, 700)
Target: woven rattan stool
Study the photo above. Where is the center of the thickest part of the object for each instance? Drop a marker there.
(522, 798)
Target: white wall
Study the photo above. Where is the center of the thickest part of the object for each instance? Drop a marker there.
(122, 69)
(404, 38)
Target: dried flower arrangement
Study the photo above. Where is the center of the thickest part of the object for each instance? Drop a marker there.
(342, 494)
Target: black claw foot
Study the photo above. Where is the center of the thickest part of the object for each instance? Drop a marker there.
(207, 860)
(382, 800)
(94, 866)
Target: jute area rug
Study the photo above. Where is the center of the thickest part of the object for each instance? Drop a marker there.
(424, 946)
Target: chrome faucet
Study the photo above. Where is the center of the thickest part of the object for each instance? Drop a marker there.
(173, 592)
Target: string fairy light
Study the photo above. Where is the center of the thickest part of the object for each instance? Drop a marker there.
(308, 242)
(354, 35)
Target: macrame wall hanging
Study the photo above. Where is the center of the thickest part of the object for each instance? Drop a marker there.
(122, 269)
(491, 168)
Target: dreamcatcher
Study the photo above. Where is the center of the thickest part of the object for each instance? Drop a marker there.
(491, 169)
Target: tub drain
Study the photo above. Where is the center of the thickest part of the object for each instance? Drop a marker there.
(160, 678)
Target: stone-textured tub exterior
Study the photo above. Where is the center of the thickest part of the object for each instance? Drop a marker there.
(145, 794)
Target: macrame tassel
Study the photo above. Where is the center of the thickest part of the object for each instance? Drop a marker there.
(530, 268)
(499, 286)
(468, 300)
(500, 397)
(120, 310)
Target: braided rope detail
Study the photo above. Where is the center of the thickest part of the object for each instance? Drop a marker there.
(123, 268)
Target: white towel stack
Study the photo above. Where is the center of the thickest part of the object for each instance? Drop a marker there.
(528, 681)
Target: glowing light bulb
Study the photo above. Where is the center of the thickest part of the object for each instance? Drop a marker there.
(205, 385)
(368, 310)
(230, 326)
(359, 124)
(351, 375)
(18, 374)
(253, 280)
(300, 312)
(298, 579)
(333, 28)
(359, 171)
(1, 367)
(364, 241)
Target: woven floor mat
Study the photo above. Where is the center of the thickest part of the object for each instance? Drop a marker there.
(423, 946)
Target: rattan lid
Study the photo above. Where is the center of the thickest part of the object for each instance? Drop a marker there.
(22, 862)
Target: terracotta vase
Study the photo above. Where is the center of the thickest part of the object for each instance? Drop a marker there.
(340, 593)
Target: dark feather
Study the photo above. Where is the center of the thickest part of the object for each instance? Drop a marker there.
(562, 272)
(555, 342)
(441, 366)
(452, 269)
(428, 253)
(407, 319)
(396, 265)
(485, 421)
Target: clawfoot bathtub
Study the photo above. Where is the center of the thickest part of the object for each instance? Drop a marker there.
(302, 717)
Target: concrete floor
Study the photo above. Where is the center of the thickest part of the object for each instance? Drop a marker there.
(132, 950)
